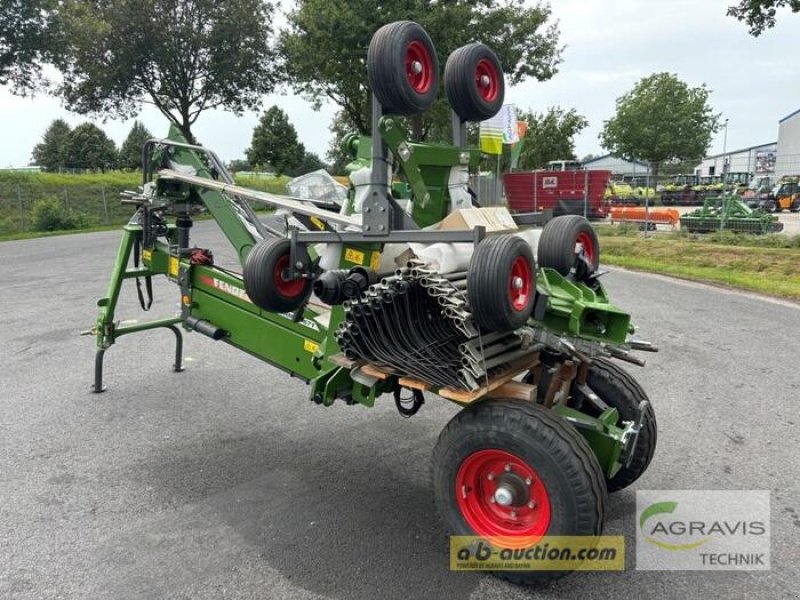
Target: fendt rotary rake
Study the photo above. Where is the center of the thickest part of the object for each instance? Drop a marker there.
(503, 315)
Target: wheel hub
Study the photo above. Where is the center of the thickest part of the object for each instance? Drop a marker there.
(499, 494)
(512, 490)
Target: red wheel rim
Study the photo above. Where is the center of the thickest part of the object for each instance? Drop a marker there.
(487, 79)
(419, 67)
(586, 241)
(520, 282)
(524, 520)
(286, 287)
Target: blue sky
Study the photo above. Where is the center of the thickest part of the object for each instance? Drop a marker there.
(609, 46)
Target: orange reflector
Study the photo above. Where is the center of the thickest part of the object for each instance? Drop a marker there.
(186, 300)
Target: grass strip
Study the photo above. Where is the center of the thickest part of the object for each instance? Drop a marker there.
(766, 270)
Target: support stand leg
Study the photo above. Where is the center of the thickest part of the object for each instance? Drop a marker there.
(178, 365)
(98, 388)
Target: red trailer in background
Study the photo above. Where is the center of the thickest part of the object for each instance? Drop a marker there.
(566, 192)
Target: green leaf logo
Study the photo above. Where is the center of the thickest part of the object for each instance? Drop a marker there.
(665, 508)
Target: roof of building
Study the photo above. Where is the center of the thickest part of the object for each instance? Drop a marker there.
(596, 158)
(789, 116)
(740, 150)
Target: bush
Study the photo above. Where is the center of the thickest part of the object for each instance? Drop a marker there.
(49, 214)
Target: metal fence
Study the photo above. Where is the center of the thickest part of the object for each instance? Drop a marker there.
(32, 207)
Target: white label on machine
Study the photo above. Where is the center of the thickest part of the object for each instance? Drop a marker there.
(549, 182)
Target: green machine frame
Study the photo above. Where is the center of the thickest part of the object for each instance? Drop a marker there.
(303, 343)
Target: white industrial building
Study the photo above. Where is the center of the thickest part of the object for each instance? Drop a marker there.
(788, 159)
(617, 166)
(756, 160)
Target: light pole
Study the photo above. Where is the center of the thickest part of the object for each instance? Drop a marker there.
(725, 167)
(725, 152)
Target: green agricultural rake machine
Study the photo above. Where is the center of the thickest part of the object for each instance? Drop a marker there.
(729, 212)
(503, 315)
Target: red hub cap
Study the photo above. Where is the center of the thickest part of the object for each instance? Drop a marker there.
(586, 241)
(487, 79)
(286, 287)
(502, 497)
(520, 284)
(419, 67)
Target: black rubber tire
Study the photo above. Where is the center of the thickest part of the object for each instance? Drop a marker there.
(460, 82)
(488, 280)
(558, 240)
(559, 454)
(387, 70)
(259, 276)
(617, 388)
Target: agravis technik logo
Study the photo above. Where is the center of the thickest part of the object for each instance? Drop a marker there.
(702, 530)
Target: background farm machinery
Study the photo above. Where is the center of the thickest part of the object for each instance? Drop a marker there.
(432, 294)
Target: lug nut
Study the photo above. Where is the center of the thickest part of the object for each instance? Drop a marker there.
(507, 468)
(490, 476)
(528, 481)
(531, 504)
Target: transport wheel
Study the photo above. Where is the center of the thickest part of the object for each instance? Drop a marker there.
(618, 389)
(563, 238)
(265, 276)
(474, 83)
(403, 68)
(501, 283)
(513, 472)
(795, 206)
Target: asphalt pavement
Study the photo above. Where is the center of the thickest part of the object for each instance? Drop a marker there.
(224, 481)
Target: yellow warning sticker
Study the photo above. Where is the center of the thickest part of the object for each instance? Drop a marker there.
(310, 346)
(174, 266)
(354, 256)
(147, 255)
(317, 222)
(375, 261)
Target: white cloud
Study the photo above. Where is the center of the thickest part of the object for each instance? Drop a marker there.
(610, 44)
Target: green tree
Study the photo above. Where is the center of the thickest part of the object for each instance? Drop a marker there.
(325, 46)
(310, 162)
(550, 136)
(661, 119)
(275, 143)
(182, 56)
(90, 148)
(130, 154)
(760, 14)
(51, 152)
(239, 164)
(338, 157)
(27, 38)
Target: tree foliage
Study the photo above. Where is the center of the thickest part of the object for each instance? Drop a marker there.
(759, 15)
(51, 152)
(88, 147)
(550, 136)
(275, 143)
(27, 38)
(661, 119)
(182, 56)
(130, 154)
(325, 44)
(338, 157)
(310, 162)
